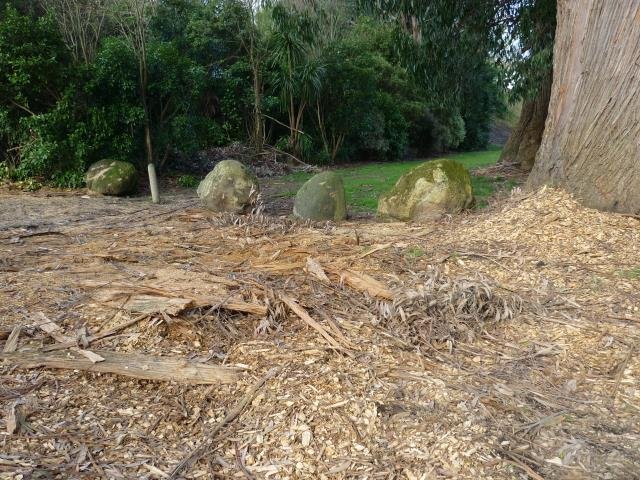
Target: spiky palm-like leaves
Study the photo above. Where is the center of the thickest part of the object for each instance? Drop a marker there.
(297, 66)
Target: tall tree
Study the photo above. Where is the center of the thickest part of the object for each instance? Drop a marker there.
(590, 145)
(81, 23)
(253, 45)
(525, 138)
(527, 55)
(297, 68)
(133, 18)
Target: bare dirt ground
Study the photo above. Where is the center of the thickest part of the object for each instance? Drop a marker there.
(500, 344)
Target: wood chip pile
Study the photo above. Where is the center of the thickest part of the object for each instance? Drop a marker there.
(164, 342)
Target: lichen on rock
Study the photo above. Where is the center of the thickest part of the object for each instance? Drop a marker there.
(427, 191)
(229, 187)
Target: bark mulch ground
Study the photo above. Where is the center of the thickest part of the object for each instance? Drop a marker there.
(164, 341)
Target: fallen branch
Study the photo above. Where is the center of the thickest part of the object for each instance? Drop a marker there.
(303, 315)
(204, 446)
(97, 336)
(150, 300)
(374, 249)
(127, 364)
(54, 330)
(34, 234)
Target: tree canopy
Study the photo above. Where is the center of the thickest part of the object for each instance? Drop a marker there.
(324, 81)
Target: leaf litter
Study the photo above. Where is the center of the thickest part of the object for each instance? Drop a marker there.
(505, 348)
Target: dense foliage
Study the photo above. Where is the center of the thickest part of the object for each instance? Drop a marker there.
(323, 80)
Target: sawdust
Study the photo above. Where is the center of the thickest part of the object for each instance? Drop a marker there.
(548, 391)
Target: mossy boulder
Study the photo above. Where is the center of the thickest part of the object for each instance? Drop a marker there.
(112, 177)
(321, 198)
(428, 191)
(229, 187)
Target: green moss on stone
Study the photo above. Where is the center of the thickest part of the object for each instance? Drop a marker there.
(428, 190)
(112, 177)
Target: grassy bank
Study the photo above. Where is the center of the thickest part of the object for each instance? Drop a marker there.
(364, 183)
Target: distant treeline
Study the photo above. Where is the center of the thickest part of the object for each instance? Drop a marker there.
(155, 80)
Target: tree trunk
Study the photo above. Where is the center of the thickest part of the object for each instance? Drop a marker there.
(524, 141)
(591, 141)
(258, 121)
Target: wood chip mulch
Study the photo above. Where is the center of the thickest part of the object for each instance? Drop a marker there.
(492, 345)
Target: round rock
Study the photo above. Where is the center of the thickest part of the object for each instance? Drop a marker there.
(321, 198)
(427, 191)
(229, 187)
(112, 177)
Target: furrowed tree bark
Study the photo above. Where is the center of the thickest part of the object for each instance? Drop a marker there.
(591, 143)
(525, 139)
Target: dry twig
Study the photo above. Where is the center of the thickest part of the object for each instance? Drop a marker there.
(238, 408)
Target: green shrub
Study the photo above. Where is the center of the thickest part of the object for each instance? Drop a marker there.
(188, 181)
(5, 171)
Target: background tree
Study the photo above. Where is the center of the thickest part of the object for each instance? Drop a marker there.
(133, 18)
(156, 82)
(253, 43)
(297, 70)
(449, 47)
(528, 58)
(82, 24)
(33, 76)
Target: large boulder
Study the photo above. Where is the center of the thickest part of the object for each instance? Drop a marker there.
(321, 198)
(229, 187)
(112, 177)
(428, 191)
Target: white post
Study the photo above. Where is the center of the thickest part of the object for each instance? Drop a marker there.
(153, 183)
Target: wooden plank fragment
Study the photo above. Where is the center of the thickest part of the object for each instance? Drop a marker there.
(151, 304)
(315, 269)
(365, 283)
(12, 419)
(244, 307)
(55, 331)
(232, 305)
(142, 366)
(12, 339)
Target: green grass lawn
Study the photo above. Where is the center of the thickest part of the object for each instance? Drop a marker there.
(364, 184)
